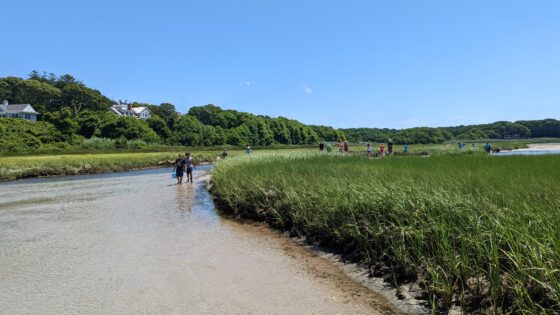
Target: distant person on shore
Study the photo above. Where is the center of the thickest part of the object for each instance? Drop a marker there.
(329, 148)
(488, 148)
(178, 168)
(341, 147)
(390, 147)
(405, 149)
(189, 166)
(224, 154)
(381, 149)
(248, 150)
(369, 150)
(345, 146)
(321, 146)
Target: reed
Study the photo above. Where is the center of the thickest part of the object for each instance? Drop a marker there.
(468, 229)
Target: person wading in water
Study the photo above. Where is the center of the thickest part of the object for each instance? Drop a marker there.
(179, 168)
(189, 166)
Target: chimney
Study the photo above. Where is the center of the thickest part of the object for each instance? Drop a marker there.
(129, 107)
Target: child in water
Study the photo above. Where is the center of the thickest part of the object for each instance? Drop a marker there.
(178, 168)
(189, 166)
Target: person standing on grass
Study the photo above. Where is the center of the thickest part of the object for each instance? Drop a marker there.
(405, 149)
(224, 154)
(488, 148)
(248, 150)
(341, 147)
(390, 146)
(321, 146)
(178, 168)
(189, 166)
(369, 150)
(329, 148)
(345, 146)
(381, 149)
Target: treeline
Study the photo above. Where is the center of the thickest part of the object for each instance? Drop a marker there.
(71, 112)
(499, 130)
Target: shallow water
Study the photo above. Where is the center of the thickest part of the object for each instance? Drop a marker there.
(527, 152)
(134, 243)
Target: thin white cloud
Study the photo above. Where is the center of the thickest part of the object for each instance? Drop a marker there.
(247, 83)
(307, 89)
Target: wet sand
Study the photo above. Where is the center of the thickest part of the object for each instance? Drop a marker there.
(541, 147)
(134, 243)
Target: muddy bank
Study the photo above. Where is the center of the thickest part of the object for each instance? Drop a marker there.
(408, 297)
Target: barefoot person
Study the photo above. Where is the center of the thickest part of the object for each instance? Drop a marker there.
(178, 168)
(189, 166)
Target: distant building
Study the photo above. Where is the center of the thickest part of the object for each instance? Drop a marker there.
(126, 110)
(23, 111)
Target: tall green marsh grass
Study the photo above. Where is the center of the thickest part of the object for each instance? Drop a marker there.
(472, 230)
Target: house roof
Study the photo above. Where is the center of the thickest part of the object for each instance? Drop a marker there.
(140, 109)
(18, 108)
(121, 112)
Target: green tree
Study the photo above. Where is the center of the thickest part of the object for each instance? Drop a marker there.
(188, 131)
(64, 121)
(89, 123)
(40, 95)
(165, 111)
(128, 128)
(159, 126)
(5, 91)
(79, 97)
(280, 132)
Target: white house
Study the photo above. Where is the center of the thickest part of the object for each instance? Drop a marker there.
(142, 112)
(128, 111)
(24, 111)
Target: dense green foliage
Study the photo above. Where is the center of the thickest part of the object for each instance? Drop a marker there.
(477, 229)
(18, 135)
(78, 112)
(498, 130)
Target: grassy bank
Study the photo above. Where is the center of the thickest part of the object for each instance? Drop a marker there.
(468, 229)
(15, 167)
(74, 164)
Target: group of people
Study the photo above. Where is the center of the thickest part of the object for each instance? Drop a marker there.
(182, 165)
(344, 148)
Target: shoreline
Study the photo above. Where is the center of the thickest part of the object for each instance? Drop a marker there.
(539, 147)
(60, 166)
(407, 244)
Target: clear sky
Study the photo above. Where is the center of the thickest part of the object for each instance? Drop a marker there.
(355, 63)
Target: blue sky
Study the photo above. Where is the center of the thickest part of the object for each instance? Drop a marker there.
(349, 63)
